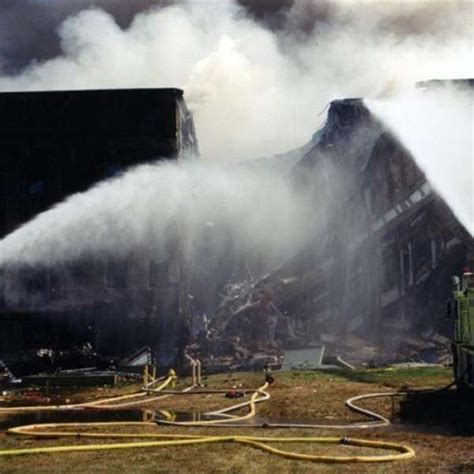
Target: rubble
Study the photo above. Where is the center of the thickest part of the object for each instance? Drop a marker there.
(304, 358)
(6, 377)
(370, 285)
(84, 379)
(373, 282)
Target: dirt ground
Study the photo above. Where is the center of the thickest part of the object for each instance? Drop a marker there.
(439, 426)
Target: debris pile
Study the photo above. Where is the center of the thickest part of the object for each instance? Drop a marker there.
(371, 285)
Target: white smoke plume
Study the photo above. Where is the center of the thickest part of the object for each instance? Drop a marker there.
(255, 80)
(437, 127)
(149, 207)
(256, 77)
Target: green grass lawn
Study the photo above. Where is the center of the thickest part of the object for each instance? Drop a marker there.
(299, 396)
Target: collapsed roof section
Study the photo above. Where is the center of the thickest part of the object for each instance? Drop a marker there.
(379, 265)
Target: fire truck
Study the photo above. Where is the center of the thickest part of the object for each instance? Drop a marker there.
(461, 310)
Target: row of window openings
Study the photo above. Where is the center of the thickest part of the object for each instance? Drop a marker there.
(415, 265)
(411, 269)
(417, 195)
(111, 277)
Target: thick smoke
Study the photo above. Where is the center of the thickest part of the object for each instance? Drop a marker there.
(256, 74)
(28, 28)
(437, 128)
(256, 78)
(151, 206)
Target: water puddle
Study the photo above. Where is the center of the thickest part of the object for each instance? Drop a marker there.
(185, 416)
(91, 416)
(73, 416)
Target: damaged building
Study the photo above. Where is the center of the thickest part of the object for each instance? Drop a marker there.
(373, 282)
(58, 143)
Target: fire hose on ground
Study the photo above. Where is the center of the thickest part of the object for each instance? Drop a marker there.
(259, 395)
(98, 404)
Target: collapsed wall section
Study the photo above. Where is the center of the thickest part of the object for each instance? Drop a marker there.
(373, 281)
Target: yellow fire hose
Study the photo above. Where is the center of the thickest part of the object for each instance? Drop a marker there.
(252, 410)
(402, 452)
(107, 401)
(102, 404)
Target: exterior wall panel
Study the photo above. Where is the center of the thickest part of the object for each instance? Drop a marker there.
(58, 143)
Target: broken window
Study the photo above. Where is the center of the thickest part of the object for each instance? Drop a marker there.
(406, 266)
(422, 258)
(390, 270)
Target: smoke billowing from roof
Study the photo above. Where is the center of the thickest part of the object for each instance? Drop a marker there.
(256, 71)
(255, 74)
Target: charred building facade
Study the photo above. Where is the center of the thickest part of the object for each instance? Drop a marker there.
(385, 271)
(54, 144)
(379, 267)
(376, 271)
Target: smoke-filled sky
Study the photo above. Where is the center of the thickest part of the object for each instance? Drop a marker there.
(256, 73)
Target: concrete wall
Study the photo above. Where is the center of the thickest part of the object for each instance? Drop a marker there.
(58, 143)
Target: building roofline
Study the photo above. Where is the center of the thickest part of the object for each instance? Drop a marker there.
(164, 90)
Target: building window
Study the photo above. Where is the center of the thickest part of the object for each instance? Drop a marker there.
(36, 188)
(422, 259)
(391, 268)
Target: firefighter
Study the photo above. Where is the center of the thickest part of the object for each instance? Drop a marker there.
(268, 374)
